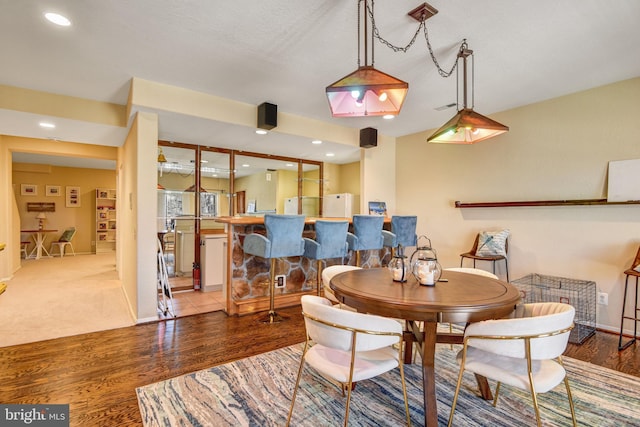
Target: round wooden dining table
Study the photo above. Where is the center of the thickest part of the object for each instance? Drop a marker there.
(462, 298)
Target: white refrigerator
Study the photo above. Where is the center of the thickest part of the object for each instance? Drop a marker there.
(339, 205)
(309, 206)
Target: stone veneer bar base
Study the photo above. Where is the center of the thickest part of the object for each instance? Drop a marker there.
(248, 278)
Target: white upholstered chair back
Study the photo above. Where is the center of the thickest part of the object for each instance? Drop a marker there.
(341, 338)
(327, 275)
(532, 319)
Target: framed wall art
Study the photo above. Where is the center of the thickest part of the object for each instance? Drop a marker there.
(73, 197)
(28, 190)
(52, 190)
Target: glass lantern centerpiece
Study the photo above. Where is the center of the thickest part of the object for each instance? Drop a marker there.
(399, 266)
(424, 264)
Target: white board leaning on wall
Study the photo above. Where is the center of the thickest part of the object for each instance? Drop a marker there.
(624, 181)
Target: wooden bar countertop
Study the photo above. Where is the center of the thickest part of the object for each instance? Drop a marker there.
(248, 220)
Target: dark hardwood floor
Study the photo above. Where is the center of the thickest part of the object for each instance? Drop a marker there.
(97, 373)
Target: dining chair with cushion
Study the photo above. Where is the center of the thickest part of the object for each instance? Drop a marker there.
(330, 242)
(367, 234)
(327, 275)
(346, 347)
(283, 239)
(64, 241)
(470, 270)
(490, 246)
(524, 351)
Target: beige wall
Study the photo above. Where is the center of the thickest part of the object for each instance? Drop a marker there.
(557, 149)
(82, 218)
(287, 187)
(258, 188)
(349, 181)
(378, 175)
(137, 213)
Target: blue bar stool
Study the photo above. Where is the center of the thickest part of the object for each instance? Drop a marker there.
(403, 232)
(330, 242)
(367, 234)
(284, 239)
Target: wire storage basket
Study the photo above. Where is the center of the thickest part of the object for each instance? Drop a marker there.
(581, 294)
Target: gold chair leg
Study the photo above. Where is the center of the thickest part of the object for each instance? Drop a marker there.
(534, 397)
(455, 396)
(272, 316)
(566, 384)
(295, 389)
(358, 259)
(404, 385)
(319, 277)
(495, 398)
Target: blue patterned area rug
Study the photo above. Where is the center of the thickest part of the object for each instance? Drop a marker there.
(257, 391)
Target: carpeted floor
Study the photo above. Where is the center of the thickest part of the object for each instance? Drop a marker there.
(257, 392)
(58, 297)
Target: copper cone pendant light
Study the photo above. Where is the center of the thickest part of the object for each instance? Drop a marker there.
(467, 126)
(366, 91)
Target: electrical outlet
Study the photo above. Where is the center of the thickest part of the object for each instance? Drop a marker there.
(281, 281)
(603, 298)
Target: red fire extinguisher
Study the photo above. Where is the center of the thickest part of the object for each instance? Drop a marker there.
(196, 276)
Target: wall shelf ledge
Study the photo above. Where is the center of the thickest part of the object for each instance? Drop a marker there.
(578, 202)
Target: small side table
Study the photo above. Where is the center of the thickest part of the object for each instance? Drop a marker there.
(631, 272)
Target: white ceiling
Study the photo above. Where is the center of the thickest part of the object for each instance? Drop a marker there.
(287, 52)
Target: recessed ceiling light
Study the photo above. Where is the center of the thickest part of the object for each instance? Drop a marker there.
(316, 141)
(290, 165)
(246, 165)
(388, 116)
(57, 19)
(330, 154)
(47, 125)
(261, 131)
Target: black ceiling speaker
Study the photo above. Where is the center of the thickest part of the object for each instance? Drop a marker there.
(368, 137)
(267, 116)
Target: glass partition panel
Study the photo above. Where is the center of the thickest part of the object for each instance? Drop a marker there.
(311, 194)
(264, 185)
(176, 208)
(214, 183)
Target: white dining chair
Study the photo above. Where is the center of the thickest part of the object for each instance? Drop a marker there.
(327, 275)
(347, 347)
(523, 351)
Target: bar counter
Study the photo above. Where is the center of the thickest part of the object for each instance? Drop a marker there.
(246, 289)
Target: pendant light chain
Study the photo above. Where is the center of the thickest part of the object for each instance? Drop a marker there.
(423, 26)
